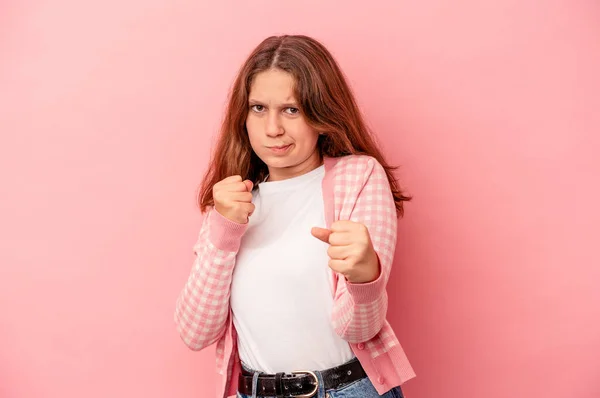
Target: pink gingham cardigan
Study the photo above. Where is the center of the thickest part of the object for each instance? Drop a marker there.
(355, 188)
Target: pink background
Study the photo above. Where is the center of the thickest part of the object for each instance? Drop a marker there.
(107, 113)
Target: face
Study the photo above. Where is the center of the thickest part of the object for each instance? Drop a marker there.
(278, 132)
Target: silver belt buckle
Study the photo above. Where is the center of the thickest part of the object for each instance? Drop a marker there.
(314, 375)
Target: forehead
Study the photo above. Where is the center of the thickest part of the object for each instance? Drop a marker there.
(272, 85)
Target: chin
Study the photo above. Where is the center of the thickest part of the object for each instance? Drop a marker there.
(279, 163)
(287, 160)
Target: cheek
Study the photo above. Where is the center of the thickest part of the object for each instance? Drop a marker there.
(304, 133)
(253, 129)
(310, 137)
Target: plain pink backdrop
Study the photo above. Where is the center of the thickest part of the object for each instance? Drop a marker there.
(107, 115)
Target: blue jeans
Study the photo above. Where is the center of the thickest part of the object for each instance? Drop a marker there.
(361, 388)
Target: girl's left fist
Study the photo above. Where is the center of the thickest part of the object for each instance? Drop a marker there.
(350, 251)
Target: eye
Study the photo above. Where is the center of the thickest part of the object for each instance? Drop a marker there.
(257, 108)
(292, 111)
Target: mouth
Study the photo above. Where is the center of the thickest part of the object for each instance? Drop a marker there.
(280, 148)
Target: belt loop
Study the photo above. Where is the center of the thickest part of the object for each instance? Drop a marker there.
(321, 390)
(255, 383)
(278, 385)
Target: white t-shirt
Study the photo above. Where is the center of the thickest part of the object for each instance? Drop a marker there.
(280, 294)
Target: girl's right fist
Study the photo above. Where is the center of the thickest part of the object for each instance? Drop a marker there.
(233, 199)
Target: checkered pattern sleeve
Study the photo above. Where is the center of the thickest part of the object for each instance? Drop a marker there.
(359, 311)
(203, 305)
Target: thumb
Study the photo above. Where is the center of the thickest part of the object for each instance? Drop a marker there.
(321, 234)
(249, 185)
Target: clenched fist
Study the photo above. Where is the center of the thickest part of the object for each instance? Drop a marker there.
(233, 199)
(350, 251)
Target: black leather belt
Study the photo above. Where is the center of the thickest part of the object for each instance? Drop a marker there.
(300, 383)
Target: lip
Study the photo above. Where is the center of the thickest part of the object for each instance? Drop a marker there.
(280, 149)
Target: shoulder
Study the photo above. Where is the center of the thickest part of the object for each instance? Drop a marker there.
(356, 168)
(359, 188)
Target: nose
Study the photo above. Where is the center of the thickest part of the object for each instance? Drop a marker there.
(273, 127)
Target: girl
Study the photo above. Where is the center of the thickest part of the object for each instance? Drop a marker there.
(298, 238)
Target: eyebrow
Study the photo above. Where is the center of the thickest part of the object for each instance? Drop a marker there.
(284, 105)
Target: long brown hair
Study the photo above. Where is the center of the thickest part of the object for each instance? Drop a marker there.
(325, 100)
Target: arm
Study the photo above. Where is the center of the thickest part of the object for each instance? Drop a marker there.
(203, 305)
(360, 309)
